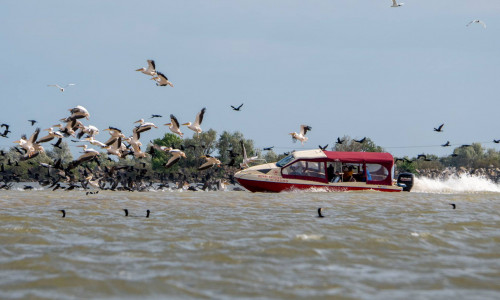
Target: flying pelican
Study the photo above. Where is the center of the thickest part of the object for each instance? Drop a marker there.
(49, 137)
(61, 88)
(29, 144)
(79, 112)
(196, 126)
(301, 136)
(136, 143)
(162, 80)
(115, 134)
(246, 159)
(151, 70)
(90, 130)
(395, 4)
(88, 154)
(95, 142)
(176, 156)
(144, 126)
(210, 162)
(174, 125)
(477, 22)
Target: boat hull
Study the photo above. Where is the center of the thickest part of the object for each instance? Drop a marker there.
(276, 187)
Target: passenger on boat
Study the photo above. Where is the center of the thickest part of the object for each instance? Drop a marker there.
(348, 171)
(331, 172)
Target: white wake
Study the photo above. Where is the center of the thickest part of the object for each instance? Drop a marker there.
(463, 183)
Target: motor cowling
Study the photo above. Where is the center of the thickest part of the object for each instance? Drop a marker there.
(405, 180)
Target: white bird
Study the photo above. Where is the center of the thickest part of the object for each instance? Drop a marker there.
(144, 126)
(176, 156)
(115, 134)
(79, 112)
(135, 143)
(210, 162)
(246, 159)
(162, 80)
(301, 136)
(395, 4)
(49, 137)
(95, 142)
(88, 154)
(29, 144)
(151, 70)
(61, 88)
(174, 125)
(478, 22)
(196, 126)
(90, 130)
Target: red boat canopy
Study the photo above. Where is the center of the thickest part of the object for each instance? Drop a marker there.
(382, 158)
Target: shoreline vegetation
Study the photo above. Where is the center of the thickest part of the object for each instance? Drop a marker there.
(131, 173)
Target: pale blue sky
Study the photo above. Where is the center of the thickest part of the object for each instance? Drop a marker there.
(357, 68)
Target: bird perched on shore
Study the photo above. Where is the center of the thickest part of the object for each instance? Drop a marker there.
(477, 22)
(395, 4)
(197, 122)
(161, 80)
(150, 70)
(301, 136)
(174, 125)
(440, 128)
(237, 108)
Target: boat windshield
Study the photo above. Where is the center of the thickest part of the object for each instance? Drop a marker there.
(284, 161)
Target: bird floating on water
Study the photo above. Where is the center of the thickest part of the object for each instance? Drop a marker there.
(453, 205)
(477, 22)
(60, 87)
(127, 215)
(63, 213)
(320, 209)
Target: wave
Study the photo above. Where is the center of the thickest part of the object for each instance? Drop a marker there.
(463, 183)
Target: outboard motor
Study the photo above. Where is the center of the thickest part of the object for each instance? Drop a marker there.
(405, 180)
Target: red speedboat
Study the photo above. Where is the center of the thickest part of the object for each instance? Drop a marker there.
(326, 170)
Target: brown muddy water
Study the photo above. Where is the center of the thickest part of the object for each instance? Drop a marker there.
(224, 245)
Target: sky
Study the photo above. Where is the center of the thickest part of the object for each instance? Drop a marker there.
(351, 67)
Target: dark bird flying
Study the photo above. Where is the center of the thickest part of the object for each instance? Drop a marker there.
(237, 108)
(440, 128)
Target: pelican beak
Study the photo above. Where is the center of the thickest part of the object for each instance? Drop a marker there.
(168, 124)
(139, 121)
(107, 129)
(17, 142)
(139, 69)
(186, 124)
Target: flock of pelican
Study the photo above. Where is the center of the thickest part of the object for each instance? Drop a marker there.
(160, 78)
(116, 143)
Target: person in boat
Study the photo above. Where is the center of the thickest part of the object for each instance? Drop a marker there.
(364, 178)
(330, 171)
(348, 172)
